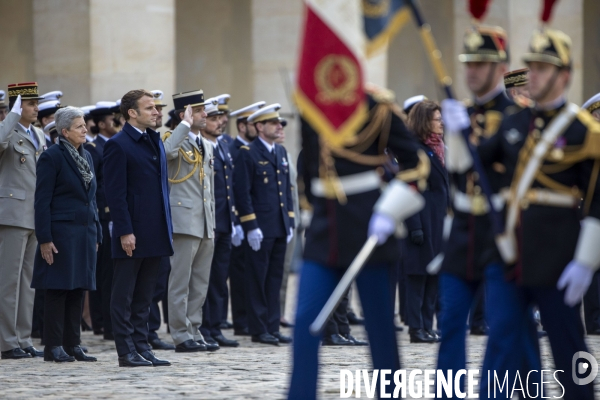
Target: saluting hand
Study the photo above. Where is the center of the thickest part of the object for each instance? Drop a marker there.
(187, 115)
(128, 244)
(48, 250)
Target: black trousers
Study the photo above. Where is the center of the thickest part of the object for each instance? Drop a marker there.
(421, 297)
(105, 264)
(237, 284)
(160, 294)
(264, 273)
(216, 297)
(338, 323)
(134, 281)
(62, 317)
(37, 325)
(591, 305)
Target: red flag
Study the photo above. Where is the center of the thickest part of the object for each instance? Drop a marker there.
(330, 93)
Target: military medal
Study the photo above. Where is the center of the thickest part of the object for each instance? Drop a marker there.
(23, 160)
(284, 162)
(20, 142)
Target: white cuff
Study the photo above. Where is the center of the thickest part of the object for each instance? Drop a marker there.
(588, 245)
(458, 157)
(399, 201)
(186, 124)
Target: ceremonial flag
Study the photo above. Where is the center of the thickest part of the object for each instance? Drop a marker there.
(330, 93)
(383, 19)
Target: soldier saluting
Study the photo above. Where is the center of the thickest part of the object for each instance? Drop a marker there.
(552, 153)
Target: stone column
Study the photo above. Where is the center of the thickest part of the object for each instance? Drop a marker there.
(61, 48)
(131, 46)
(16, 44)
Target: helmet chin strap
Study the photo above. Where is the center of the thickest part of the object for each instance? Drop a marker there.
(488, 85)
(549, 85)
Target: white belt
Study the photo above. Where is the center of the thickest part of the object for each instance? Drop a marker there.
(545, 197)
(477, 205)
(351, 184)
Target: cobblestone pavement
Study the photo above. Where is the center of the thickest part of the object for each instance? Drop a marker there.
(251, 371)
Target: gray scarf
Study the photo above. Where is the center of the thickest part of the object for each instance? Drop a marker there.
(82, 165)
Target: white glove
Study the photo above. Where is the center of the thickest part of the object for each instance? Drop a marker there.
(455, 116)
(17, 106)
(110, 228)
(382, 226)
(255, 236)
(237, 235)
(291, 235)
(576, 278)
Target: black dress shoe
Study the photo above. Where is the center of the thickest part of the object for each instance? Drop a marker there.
(209, 346)
(158, 344)
(354, 320)
(354, 340)
(265, 338)
(33, 351)
(133, 359)
(85, 349)
(157, 362)
(85, 326)
(79, 354)
(285, 323)
(433, 334)
(209, 339)
(109, 336)
(224, 342)
(479, 331)
(226, 325)
(189, 346)
(241, 332)
(57, 354)
(420, 336)
(14, 354)
(336, 340)
(281, 338)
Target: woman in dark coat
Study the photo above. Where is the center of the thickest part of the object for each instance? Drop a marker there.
(68, 233)
(425, 229)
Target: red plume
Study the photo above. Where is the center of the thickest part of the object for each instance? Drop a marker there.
(548, 5)
(478, 8)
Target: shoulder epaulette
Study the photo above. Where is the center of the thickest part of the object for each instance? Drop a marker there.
(588, 121)
(91, 144)
(245, 147)
(165, 135)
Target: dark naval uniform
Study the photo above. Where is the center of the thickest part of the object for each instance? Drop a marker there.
(338, 230)
(264, 200)
(215, 304)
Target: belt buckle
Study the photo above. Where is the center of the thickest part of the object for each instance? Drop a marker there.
(478, 204)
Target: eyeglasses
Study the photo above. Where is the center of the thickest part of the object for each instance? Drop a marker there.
(437, 119)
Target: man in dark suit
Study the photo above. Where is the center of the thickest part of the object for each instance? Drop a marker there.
(137, 192)
(264, 199)
(246, 134)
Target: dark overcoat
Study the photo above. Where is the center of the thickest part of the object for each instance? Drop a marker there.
(65, 214)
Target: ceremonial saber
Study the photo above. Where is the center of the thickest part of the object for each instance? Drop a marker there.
(435, 58)
(344, 284)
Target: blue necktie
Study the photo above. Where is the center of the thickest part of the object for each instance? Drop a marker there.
(33, 138)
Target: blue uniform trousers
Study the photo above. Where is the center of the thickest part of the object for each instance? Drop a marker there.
(316, 285)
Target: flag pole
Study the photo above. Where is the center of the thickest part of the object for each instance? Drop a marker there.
(444, 80)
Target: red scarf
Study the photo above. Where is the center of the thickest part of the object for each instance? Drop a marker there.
(436, 143)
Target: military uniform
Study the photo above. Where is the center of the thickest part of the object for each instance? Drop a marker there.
(470, 253)
(264, 201)
(552, 155)
(20, 148)
(339, 228)
(191, 179)
(215, 307)
(238, 254)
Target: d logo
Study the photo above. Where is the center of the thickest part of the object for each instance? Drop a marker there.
(590, 365)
